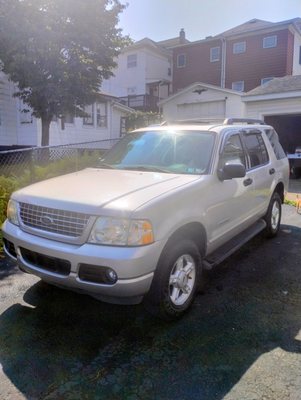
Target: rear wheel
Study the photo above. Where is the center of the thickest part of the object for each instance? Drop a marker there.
(175, 282)
(273, 216)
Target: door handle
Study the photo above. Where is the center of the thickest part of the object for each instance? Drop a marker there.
(271, 171)
(248, 182)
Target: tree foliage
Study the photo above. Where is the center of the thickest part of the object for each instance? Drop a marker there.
(58, 52)
(140, 119)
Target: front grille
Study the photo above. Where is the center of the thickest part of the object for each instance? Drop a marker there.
(52, 264)
(62, 222)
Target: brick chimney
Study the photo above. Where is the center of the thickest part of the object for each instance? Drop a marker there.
(182, 36)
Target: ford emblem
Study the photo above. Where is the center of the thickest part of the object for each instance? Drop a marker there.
(46, 220)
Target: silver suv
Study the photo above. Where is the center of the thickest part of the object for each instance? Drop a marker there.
(162, 206)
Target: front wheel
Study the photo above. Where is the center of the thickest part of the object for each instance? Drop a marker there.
(175, 282)
(273, 216)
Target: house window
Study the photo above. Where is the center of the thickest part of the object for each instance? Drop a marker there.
(214, 54)
(238, 86)
(265, 80)
(89, 118)
(132, 90)
(269, 41)
(123, 126)
(69, 119)
(239, 47)
(132, 60)
(181, 60)
(101, 115)
(25, 113)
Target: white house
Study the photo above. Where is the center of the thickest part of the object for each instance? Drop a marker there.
(142, 76)
(104, 121)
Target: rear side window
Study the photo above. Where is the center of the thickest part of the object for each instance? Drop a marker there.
(274, 140)
(257, 151)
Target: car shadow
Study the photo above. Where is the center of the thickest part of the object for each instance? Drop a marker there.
(61, 345)
(8, 268)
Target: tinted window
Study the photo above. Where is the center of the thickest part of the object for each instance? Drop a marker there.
(256, 149)
(232, 152)
(274, 140)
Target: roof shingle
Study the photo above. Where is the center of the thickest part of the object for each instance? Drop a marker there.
(277, 85)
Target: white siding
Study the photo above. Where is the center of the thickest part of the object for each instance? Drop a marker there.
(259, 109)
(210, 103)
(151, 67)
(127, 77)
(8, 127)
(214, 109)
(14, 132)
(156, 67)
(78, 132)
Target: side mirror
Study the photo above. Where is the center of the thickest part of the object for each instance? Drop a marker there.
(230, 171)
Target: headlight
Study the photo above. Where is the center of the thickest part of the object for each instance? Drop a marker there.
(121, 232)
(12, 212)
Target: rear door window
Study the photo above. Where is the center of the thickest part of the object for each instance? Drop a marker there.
(257, 152)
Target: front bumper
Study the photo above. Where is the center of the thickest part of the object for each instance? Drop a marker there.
(134, 266)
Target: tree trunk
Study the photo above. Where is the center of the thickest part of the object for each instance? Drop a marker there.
(45, 131)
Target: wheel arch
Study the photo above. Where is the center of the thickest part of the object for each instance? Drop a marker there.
(194, 231)
(280, 190)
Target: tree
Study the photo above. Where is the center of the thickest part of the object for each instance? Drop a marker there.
(140, 119)
(58, 52)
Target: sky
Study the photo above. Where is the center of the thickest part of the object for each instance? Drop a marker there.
(163, 19)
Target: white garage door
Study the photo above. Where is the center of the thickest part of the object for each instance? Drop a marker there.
(213, 109)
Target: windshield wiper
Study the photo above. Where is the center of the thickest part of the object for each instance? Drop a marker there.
(104, 165)
(145, 168)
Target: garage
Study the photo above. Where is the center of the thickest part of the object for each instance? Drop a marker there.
(202, 101)
(288, 127)
(278, 103)
(213, 109)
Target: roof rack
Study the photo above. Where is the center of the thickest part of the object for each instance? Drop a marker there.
(194, 121)
(207, 121)
(248, 121)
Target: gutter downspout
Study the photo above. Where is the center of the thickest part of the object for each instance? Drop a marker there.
(223, 63)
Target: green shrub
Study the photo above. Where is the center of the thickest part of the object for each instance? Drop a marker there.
(39, 173)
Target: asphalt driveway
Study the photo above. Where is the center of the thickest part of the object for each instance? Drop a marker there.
(241, 339)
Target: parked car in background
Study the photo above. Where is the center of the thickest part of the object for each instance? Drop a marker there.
(163, 205)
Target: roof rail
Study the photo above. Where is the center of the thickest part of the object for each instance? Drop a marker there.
(194, 121)
(249, 121)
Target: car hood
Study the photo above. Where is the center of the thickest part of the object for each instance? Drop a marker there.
(94, 190)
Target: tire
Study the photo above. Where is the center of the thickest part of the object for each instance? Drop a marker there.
(273, 216)
(176, 280)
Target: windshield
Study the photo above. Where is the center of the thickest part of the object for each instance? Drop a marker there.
(184, 152)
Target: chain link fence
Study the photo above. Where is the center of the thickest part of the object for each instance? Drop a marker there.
(15, 162)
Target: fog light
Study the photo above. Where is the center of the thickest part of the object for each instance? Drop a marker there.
(111, 275)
